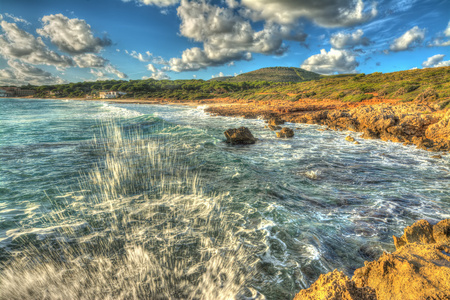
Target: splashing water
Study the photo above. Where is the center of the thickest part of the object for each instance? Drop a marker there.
(141, 228)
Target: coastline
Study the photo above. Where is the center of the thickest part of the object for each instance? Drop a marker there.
(422, 124)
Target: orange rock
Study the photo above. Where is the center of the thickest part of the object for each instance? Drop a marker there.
(335, 286)
(418, 269)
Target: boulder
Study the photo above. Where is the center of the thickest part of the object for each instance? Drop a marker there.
(241, 135)
(349, 138)
(285, 132)
(275, 121)
(273, 128)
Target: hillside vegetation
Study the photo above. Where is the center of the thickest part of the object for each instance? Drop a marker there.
(427, 84)
(273, 74)
(423, 84)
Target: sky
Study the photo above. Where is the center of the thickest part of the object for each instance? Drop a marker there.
(59, 41)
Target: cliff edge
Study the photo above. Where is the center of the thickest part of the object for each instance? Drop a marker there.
(418, 269)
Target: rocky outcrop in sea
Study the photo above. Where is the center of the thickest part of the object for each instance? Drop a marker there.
(418, 269)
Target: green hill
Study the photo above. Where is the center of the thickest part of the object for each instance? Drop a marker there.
(273, 74)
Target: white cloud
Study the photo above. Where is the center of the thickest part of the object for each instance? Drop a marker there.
(17, 19)
(21, 73)
(113, 70)
(436, 61)
(151, 68)
(226, 36)
(439, 41)
(343, 40)
(71, 35)
(159, 3)
(326, 13)
(98, 73)
(89, 60)
(220, 74)
(334, 61)
(141, 57)
(16, 43)
(409, 39)
(156, 73)
(447, 30)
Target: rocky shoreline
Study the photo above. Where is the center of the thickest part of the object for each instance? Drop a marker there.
(420, 124)
(418, 269)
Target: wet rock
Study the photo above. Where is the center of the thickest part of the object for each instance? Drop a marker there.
(335, 286)
(285, 132)
(241, 135)
(436, 156)
(349, 138)
(356, 143)
(273, 128)
(275, 121)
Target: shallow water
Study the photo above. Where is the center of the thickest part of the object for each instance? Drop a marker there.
(150, 187)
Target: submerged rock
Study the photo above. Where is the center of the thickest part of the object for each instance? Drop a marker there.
(418, 269)
(241, 135)
(275, 121)
(350, 138)
(286, 132)
(273, 128)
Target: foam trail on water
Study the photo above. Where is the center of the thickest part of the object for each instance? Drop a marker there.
(140, 227)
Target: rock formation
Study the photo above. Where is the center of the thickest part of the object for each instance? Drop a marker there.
(416, 123)
(241, 135)
(285, 132)
(418, 269)
(275, 121)
(335, 285)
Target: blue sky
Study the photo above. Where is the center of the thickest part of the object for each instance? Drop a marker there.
(58, 41)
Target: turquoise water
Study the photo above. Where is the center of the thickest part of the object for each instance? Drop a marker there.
(118, 177)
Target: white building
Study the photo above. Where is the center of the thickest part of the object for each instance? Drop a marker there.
(111, 94)
(3, 93)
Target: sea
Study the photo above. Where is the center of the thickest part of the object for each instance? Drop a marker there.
(129, 201)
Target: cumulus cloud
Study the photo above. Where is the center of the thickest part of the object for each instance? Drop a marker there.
(226, 36)
(73, 36)
(343, 40)
(21, 73)
(220, 74)
(89, 60)
(156, 73)
(16, 19)
(16, 43)
(334, 61)
(159, 3)
(436, 61)
(326, 13)
(443, 39)
(447, 30)
(113, 70)
(141, 57)
(409, 39)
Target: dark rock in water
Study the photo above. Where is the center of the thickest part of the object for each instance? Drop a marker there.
(241, 135)
(286, 132)
(273, 128)
(275, 121)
